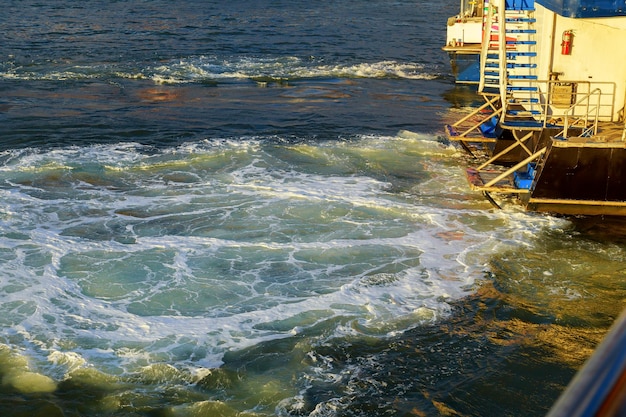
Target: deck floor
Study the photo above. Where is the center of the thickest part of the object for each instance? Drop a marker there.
(610, 134)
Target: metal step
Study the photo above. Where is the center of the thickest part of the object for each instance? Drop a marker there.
(520, 20)
(524, 124)
(520, 65)
(530, 100)
(522, 88)
(513, 54)
(491, 89)
(523, 113)
(510, 65)
(519, 5)
(517, 42)
(514, 51)
(530, 31)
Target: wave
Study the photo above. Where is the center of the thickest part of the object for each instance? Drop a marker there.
(126, 256)
(208, 69)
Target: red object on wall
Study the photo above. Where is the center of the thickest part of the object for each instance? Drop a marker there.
(566, 42)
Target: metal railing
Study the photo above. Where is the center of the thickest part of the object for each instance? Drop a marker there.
(491, 105)
(588, 120)
(510, 171)
(565, 102)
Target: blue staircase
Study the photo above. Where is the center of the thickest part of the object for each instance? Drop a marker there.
(508, 62)
(520, 4)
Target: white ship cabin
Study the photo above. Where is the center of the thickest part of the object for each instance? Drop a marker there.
(466, 28)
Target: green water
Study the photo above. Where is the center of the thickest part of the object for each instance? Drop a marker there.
(357, 278)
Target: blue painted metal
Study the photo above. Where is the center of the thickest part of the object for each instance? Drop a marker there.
(490, 128)
(470, 74)
(519, 4)
(524, 180)
(586, 8)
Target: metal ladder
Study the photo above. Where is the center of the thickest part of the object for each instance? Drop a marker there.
(508, 62)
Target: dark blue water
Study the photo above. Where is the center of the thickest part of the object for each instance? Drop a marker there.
(246, 208)
(158, 73)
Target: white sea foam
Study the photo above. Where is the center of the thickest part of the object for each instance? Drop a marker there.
(208, 68)
(107, 260)
(287, 68)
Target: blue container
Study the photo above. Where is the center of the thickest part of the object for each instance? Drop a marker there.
(490, 128)
(522, 180)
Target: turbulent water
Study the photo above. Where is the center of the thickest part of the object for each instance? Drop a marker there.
(245, 208)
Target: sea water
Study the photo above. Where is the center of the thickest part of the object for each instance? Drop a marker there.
(247, 208)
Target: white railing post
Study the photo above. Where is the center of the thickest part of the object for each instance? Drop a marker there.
(502, 61)
(595, 123)
(586, 101)
(484, 50)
